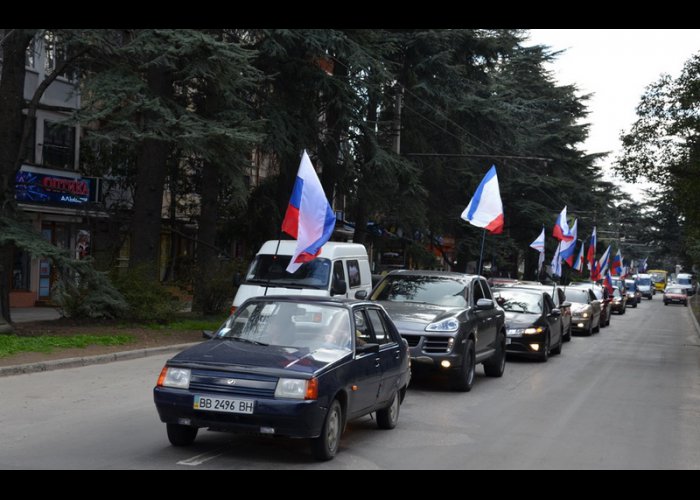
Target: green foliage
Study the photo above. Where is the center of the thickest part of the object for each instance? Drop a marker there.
(81, 291)
(148, 300)
(218, 290)
(663, 146)
(12, 344)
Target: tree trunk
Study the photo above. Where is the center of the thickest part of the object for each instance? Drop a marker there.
(336, 124)
(152, 167)
(206, 245)
(11, 103)
(368, 153)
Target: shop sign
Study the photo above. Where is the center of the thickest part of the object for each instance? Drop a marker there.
(53, 189)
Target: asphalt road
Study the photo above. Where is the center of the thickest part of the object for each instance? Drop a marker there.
(628, 397)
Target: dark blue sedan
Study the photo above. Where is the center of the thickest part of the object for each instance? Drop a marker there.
(288, 366)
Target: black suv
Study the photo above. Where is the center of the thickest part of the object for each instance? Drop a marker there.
(450, 321)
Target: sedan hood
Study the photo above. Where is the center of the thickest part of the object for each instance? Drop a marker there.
(224, 352)
(520, 320)
(411, 316)
(579, 308)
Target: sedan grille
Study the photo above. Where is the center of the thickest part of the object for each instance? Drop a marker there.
(436, 344)
(233, 383)
(413, 340)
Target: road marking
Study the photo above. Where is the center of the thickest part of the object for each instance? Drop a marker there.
(200, 459)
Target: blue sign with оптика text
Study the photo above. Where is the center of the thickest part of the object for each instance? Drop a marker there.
(52, 189)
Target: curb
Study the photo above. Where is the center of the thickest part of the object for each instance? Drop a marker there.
(692, 315)
(6, 371)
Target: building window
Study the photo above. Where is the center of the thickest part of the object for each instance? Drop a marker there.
(30, 146)
(55, 54)
(30, 55)
(59, 145)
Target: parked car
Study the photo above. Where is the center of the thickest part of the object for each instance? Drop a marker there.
(450, 321)
(675, 294)
(585, 309)
(533, 323)
(619, 302)
(288, 366)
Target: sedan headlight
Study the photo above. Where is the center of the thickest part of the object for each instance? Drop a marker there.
(297, 388)
(533, 330)
(446, 325)
(175, 377)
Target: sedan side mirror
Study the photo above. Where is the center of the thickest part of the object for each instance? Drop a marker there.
(566, 304)
(555, 313)
(207, 334)
(484, 304)
(339, 287)
(361, 294)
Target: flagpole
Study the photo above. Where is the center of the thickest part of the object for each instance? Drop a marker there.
(274, 258)
(481, 254)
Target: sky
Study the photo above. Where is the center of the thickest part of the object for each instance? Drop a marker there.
(615, 66)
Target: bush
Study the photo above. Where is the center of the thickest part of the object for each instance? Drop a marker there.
(147, 299)
(83, 292)
(214, 294)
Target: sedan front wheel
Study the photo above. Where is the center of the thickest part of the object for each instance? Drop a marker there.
(326, 445)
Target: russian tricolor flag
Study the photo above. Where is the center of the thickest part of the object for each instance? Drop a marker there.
(309, 218)
(591, 252)
(561, 228)
(616, 267)
(604, 262)
(569, 246)
(578, 265)
(485, 208)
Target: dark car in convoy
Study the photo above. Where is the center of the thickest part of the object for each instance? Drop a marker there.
(288, 366)
(634, 296)
(619, 301)
(675, 295)
(603, 296)
(558, 295)
(533, 323)
(585, 309)
(450, 321)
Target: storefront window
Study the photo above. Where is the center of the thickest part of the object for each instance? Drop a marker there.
(20, 271)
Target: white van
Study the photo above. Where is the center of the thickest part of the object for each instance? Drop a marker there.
(340, 270)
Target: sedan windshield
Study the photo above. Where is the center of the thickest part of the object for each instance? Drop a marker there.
(438, 290)
(684, 281)
(675, 290)
(577, 295)
(519, 302)
(289, 324)
(644, 281)
(272, 269)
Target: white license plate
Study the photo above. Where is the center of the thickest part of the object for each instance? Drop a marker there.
(226, 405)
(509, 341)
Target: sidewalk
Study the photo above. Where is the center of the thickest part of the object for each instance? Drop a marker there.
(25, 314)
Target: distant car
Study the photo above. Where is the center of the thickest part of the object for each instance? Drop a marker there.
(687, 281)
(645, 286)
(288, 366)
(533, 322)
(585, 309)
(450, 321)
(675, 294)
(619, 302)
(634, 296)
